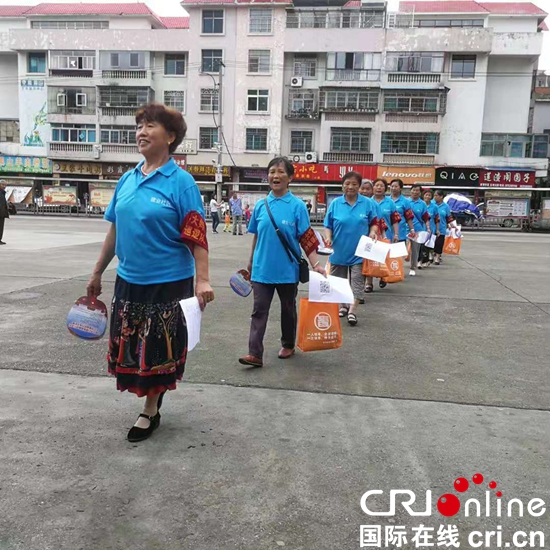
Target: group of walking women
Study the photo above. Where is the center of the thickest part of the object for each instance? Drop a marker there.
(158, 232)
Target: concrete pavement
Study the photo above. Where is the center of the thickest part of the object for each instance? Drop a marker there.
(445, 376)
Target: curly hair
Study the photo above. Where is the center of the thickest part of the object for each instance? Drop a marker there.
(171, 119)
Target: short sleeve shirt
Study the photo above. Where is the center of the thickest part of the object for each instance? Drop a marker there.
(149, 213)
(433, 212)
(402, 204)
(386, 208)
(348, 224)
(271, 264)
(444, 213)
(419, 209)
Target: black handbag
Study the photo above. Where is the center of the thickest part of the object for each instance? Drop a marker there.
(302, 262)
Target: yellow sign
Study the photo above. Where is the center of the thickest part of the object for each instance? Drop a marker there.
(101, 196)
(84, 168)
(59, 195)
(206, 170)
(408, 174)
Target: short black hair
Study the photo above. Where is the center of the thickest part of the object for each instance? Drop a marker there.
(289, 167)
(440, 193)
(416, 185)
(383, 181)
(397, 180)
(352, 175)
(171, 119)
(424, 191)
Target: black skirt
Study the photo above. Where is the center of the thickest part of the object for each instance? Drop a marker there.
(148, 336)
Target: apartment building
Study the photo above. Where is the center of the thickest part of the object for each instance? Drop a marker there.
(437, 92)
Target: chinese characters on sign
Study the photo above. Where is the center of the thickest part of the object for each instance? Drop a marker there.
(331, 172)
(32, 84)
(26, 165)
(206, 170)
(116, 170)
(397, 536)
(83, 168)
(101, 195)
(507, 178)
(54, 195)
(187, 147)
(180, 160)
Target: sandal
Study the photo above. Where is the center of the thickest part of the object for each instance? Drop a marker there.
(343, 311)
(382, 284)
(352, 319)
(369, 289)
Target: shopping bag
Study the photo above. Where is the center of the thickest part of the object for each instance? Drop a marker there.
(375, 269)
(318, 326)
(396, 269)
(452, 245)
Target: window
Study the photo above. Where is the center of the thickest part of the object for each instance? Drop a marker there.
(256, 139)
(211, 60)
(449, 23)
(9, 131)
(210, 100)
(134, 60)
(175, 99)
(301, 141)
(69, 25)
(305, 66)
(413, 143)
(258, 101)
(415, 62)
(122, 135)
(514, 145)
(37, 63)
(463, 66)
(260, 20)
(212, 21)
(350, 100)
(123, 97)
(350, 140)
(259, 61)
(353, 66)
(61, 100)
(174, 64)
(208, 137)
(71, 60)
(115, 60)
(412, 102)
(302, 103)
(81, 100)
(74, 133)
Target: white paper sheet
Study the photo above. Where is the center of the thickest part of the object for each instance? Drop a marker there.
(421, 237)
(193, 317)
(430, 243)
(398, 250)
(371, 250)
(322, 250)
(333, 290)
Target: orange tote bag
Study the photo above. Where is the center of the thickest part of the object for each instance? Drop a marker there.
(396, 270)
(318, 326)
(452, 246)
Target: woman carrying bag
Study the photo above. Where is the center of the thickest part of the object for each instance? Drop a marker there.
(280, 225)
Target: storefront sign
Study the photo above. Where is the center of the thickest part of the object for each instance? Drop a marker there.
(180, 160)
(83, 168)
(507, 178)
(101, 195)
(408, 174)
(25, 165)
(254, 174)
(19, 193)
(187, 147)
(206, 170)
(449, 176)
(331, 172)
(507, 208)
(115, 169)
(54, 195)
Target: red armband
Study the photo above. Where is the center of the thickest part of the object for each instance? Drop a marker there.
(309, 242)
(426, 217)
(395, 217)
(193, 230)
(409, 214)
(382, 225)
(450, 218)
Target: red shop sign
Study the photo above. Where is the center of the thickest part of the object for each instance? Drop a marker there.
(506, 178)
(180, 160)
(331, 172)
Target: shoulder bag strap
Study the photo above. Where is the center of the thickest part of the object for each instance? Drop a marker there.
(290, 253)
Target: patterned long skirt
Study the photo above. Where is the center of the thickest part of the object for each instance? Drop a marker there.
(148, 336)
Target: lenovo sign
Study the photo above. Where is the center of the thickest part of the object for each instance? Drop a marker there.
(408, 174)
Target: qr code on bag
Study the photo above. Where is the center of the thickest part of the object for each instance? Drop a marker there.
(325, 287)
(368, 247)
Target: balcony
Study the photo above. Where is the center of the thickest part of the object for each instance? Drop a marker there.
(125, 75)
(119, 111)
(308, 114)
(318, 19)
(412, 118)
(348, 157)
(353, 75)
(75, 151)
(115, 152)
(71, 73)
(517, 43)
(397, 158)
(414, 78)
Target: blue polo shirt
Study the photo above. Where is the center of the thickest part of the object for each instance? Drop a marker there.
(348, 224)
(419, 209)
(433, 212)
(386, 207)
(444, 213)
(271, 264)
(402, 204)
(148, 213)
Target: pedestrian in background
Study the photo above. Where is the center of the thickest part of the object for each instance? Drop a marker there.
(272, 267)
(4, 210)
(158, 232)
(247, 215)
(349, 217)
(445, 219)
(214, 211)
(227, 220)
(366, 189)
(421, 218)
(237, 210)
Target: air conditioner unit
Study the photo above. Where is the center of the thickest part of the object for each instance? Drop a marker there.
(296, 81)
(310, 157)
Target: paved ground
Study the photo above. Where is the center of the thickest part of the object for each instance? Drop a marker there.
(446, 375)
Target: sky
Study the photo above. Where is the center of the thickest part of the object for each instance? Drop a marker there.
(173, 8)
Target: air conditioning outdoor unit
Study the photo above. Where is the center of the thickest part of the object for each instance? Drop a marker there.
(296, 82)
(310, 157)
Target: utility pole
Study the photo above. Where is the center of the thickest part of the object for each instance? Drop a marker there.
(219, 145)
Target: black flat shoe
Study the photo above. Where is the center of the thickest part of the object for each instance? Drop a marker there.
(140, 434)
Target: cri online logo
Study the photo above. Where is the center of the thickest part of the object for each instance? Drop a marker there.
(449, 504)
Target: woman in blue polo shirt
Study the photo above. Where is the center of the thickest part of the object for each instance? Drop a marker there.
(427, 253)
(420, 221)
(403, 206)
(158, 233)
(349, 217)
(445, 219)
(271, 267)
